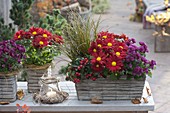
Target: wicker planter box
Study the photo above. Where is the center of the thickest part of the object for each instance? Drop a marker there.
(162, 41)
(8, 88)
(162, 44)
(65, 11)
(110, 90)
(160, 28)
(34, 75)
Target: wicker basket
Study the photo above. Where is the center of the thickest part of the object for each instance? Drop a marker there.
(8, 87)
(162, 40)
(65, 11)
(34, 75)
(106, 89)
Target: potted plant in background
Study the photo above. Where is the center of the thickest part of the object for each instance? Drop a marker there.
(104, 64)
(41, 48)
(161, 21)
(41, 8)
(11, 56)
(82, 7)
(53, 22)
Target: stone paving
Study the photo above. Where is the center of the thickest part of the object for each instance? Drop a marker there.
(117, 20)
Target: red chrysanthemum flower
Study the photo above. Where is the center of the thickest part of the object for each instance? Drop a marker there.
(40, 42)
(109, 43)
(124, 37)
(120, 53)
(19, 35)
(104, 35)
(114, 64)
(122, 46)
(97, 67)
(99, 43)
(116, 36)
(58, 39)
(99, 58)
(36, 31)
(93, 48)
(27, 35)
(46, 34)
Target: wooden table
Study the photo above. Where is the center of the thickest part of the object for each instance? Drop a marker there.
(72, 105)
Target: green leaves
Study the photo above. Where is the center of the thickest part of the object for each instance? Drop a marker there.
(40, 56)
(78, 35)
(6, 31)
(19, 13)
(53, 22)
(150, 74)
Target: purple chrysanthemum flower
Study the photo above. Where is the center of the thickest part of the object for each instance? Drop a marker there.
(10, 56)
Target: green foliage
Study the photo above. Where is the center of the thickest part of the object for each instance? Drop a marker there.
(6, 31)
(20, 13)
(40, 56)
(53, 22)
(78, 35)
(100, 6)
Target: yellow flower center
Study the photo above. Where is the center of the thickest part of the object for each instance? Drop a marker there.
(97, 65)
(34, 33)
(41, 42)
(113, 63)
(19, 36)
(109, 44)
(45, 35)
(94, 50)
(121, 47)
(104, 37)
(98, 58)
(99, 45)
(117, 53)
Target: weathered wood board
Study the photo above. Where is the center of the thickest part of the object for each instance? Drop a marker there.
(8, 88)
(33, 78)
(110, 90)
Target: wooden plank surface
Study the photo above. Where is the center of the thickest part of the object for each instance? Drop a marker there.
(72, 105)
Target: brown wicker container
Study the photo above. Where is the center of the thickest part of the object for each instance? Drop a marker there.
(34, 75)
(106, 89)
(8, 87)
(162, 40)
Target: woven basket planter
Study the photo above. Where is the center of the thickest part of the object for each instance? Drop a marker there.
(106, 89)
(8, 87)
(162, 40)
(34, 74)
(65, 11)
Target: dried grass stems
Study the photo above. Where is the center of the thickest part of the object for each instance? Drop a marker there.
(78, 34)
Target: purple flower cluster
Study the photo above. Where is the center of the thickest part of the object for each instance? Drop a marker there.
(135, 63)
(11, 55)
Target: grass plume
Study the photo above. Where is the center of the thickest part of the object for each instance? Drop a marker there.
(78, 35)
